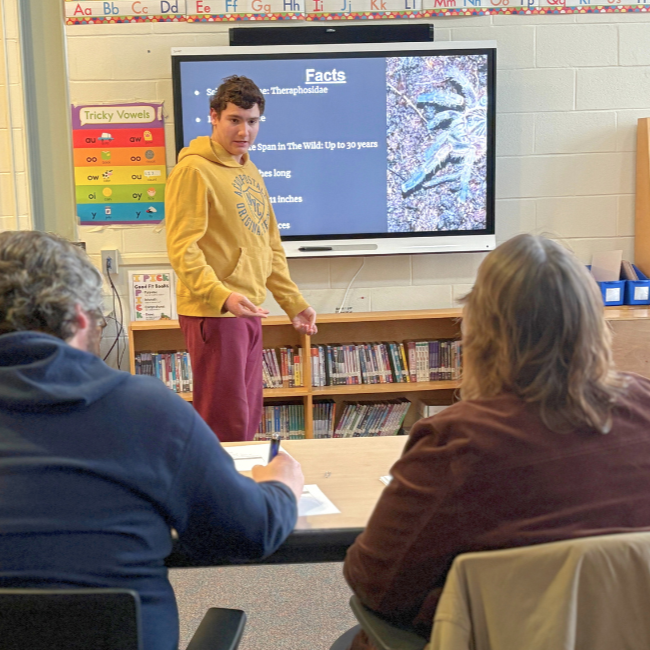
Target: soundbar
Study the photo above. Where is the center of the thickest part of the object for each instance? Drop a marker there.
(331, 34)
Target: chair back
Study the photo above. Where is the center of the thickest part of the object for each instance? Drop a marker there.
(69, 619)
(591, 593)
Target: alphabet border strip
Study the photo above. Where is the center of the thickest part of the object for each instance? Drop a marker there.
(559, 9)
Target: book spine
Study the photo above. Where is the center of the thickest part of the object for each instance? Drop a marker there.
(301, 413)
(394, 362)
(328, 365)
(284, 369)
(423, 364)
(389, 428)
(344, 424)
(435, 370)
(313, 351)
(290, 368)
(186, 372)
(385, 364)
(353, 421)
(277, 423)
(347, 364)
(381, 419)
(340, 356)
(189, 369)
(379, 415)
(412, 365)
(322, 366)
(376, 367)
(363, 372)
(445, 358)
(372, 421)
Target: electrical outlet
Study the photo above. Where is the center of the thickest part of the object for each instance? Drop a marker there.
(110, 261)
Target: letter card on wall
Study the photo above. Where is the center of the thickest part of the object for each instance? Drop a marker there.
(119, 158)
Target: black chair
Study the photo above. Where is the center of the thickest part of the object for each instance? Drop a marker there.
(96, 619)
(384, 635)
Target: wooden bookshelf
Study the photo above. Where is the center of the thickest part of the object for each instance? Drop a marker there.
(333, 329)
(631, 327)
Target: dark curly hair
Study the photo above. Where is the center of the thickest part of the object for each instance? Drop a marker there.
(240, 91)
(42, 279)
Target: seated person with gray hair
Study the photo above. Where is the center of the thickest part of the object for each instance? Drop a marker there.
(96, 465)
(549, 442)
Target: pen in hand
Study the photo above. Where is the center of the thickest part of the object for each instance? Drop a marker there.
(275, 446)
(285, 469)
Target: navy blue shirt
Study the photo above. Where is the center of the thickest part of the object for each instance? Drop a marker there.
(97, 466)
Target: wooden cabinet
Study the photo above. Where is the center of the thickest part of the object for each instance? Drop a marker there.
(354, 328)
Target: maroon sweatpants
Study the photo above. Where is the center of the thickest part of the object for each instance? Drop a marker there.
(226, 356)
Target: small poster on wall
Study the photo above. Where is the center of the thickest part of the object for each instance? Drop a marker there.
(119, 158)
(153, 295)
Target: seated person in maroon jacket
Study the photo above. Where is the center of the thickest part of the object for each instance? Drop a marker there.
(548, 443)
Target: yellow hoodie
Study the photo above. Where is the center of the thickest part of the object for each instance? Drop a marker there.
(222, 235)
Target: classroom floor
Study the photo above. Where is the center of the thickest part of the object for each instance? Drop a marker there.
(289, 607)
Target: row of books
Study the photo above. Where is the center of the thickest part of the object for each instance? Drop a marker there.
(332, 365)
(372, 419)
(174, 369)
(286, 419)
(385, 363)
(283, 371)
(289, 421)
(358, 419)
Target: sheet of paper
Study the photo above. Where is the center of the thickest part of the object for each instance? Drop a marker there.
(386, 479)
(314, 502)
(247, 456)
(606, 265)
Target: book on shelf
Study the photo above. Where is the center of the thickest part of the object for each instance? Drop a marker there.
(363, 419)
(385, 363)
(288, 420)
(282, 368)
(324, 415)
(174, 369)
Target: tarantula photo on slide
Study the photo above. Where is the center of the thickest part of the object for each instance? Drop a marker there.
(437, 142)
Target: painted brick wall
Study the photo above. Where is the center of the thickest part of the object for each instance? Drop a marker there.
(570, 89)
(14, 207)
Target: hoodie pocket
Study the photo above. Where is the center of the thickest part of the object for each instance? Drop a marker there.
(249, 276)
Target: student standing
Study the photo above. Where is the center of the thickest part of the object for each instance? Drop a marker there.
(224, 244)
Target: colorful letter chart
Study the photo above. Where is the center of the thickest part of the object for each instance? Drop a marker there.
(119, 159)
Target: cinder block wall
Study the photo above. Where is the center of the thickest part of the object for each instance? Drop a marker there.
(14, 204)
(570, 89)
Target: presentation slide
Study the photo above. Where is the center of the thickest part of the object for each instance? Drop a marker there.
(362, 145)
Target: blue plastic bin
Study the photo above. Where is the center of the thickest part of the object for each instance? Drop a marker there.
(613, 292)
(637, 292)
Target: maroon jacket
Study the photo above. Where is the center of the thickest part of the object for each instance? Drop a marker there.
(487, 474)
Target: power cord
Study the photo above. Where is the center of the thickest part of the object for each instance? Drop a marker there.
(347, 291)
(120, 323)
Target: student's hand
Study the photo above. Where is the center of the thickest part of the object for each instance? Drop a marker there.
(242, 307)
(305, 321)
(283, 468)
